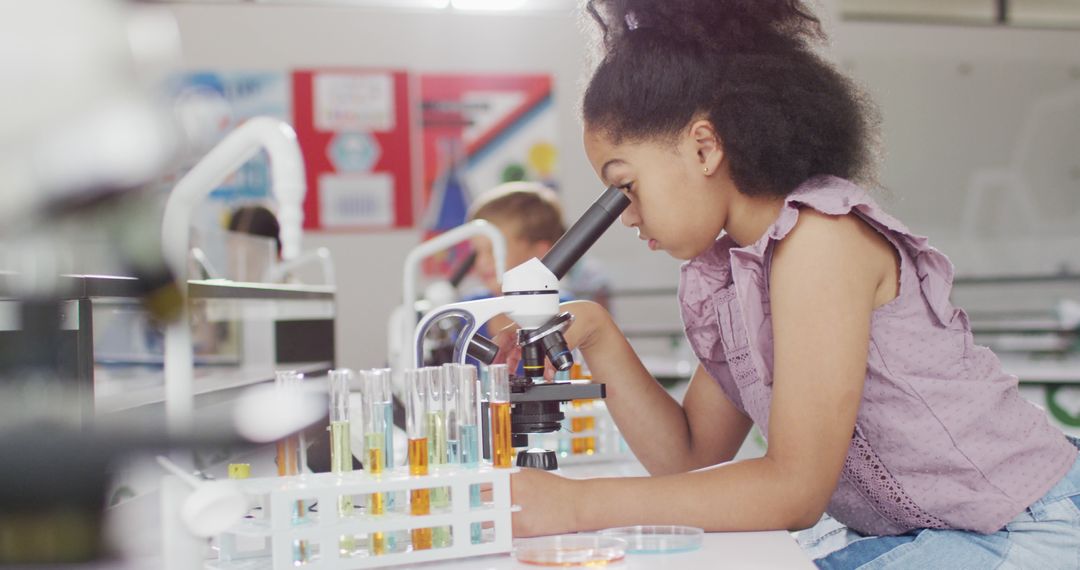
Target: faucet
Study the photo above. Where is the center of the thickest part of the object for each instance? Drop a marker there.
(403, 320)
(287, 176)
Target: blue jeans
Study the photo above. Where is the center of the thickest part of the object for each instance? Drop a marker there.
(1045, 536)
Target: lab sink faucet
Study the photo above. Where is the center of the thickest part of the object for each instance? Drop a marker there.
(289, 187)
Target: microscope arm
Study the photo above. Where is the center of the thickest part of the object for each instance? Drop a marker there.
(474, 313)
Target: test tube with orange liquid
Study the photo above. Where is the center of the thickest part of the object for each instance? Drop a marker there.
(416, 385)
(502, 450)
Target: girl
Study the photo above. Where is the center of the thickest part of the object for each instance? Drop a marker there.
(815, 316)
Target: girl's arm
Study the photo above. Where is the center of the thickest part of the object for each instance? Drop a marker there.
(827, 278)
(665, 436)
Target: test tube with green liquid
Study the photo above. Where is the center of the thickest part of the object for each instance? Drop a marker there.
(436, 432)
(416, 387)
(374, 456)
(341, 446)
(468, 415)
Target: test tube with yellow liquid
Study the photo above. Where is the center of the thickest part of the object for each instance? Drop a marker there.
(374, 449)
(436, 435)
(583, 445)
(502, 450)
(416, 386)
(341, 446)
(287, 383)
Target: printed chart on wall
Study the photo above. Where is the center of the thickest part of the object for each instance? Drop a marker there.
(478, 132)
(211, 104)
(354, 129)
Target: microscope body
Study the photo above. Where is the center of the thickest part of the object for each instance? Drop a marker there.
(531, 299)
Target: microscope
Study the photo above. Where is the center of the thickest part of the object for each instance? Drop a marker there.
(531, 299)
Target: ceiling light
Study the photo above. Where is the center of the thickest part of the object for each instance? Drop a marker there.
(487, 4)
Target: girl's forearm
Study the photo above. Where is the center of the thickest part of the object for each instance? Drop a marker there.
(745, 496)
(651, 421)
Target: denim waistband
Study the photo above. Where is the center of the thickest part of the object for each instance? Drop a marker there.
(1069, 485)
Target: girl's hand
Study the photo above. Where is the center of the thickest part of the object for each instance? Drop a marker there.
(589, 317)
(547, 501)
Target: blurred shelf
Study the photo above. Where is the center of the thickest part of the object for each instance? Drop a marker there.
(94, 286)
(123, 388)
(1065, 370)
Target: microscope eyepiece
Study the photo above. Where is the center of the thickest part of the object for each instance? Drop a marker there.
(584, 233)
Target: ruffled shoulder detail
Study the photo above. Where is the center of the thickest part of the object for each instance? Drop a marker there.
(835, 196)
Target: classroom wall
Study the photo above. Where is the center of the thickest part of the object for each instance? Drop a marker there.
(953, 100)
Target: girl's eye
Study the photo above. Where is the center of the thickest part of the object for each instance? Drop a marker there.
(628, 187)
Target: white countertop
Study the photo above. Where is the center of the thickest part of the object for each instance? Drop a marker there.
(743, 550)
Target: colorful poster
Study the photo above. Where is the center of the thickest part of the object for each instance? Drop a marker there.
(480, 130)
(354, 129)
(210, 104)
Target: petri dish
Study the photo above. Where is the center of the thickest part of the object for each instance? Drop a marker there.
(570, 550)
(657, 539)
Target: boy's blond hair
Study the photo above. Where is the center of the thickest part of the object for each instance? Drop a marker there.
(531, 210)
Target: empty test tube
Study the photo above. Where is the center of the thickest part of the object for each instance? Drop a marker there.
(502, 450)
(416, 386)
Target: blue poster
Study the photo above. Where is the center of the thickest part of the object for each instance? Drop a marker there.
(210, 104)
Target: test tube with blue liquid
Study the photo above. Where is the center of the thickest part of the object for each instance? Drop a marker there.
(451, 373)
(468, 415)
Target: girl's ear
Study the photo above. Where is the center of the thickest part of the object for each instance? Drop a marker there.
(707, 146)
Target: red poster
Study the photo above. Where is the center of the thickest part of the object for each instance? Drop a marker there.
(355, 129)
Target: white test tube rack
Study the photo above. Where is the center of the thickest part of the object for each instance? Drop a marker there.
(322, 531)
(609, 444)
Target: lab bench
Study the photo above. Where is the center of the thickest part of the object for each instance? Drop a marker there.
(114, 353)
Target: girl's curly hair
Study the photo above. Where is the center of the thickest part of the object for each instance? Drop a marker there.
(783, 114)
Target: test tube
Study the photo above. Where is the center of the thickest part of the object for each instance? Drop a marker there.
(340, 444)
(374, 441)
(502, 451)
(436, 432)
(451, 385)
(585, 445)
(289, 457)
(416, 385)
(468, 414)
(384, 376)
(436, 418)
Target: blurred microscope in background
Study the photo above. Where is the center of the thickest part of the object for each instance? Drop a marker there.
(81, 135)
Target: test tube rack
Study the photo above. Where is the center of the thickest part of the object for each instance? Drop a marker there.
(321, 532)
(601, 443)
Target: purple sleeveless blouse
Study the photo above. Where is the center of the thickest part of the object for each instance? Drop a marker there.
(942, 439)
